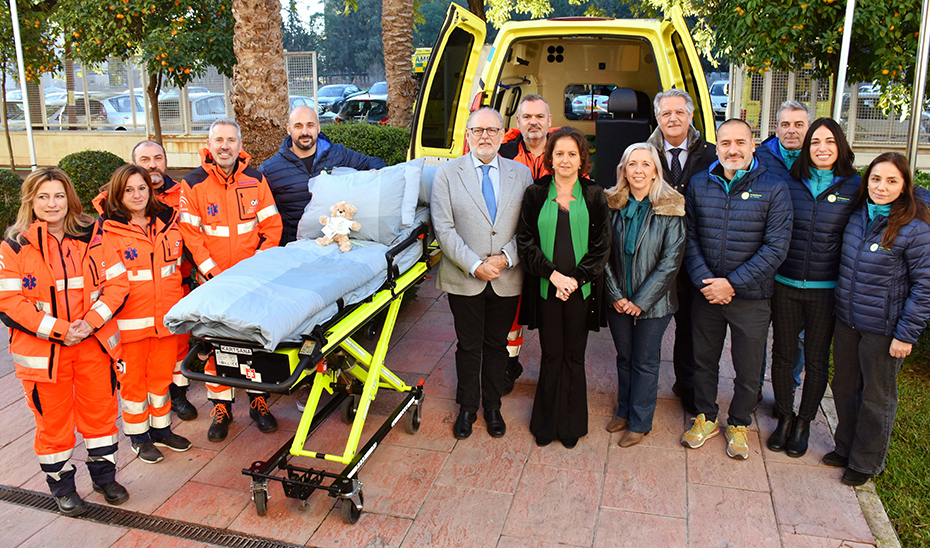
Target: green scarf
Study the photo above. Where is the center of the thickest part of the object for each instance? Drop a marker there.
(789, 156)
(875, 210)
(578, 220)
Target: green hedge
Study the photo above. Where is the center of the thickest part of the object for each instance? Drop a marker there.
(10, 184)
(89, 170)
(388, 143)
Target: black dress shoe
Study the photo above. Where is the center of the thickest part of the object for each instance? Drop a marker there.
(113, 492)
(797, 442)
(851, 477)
(462, 427)
(71, 504)
(779, 437)
(570, 443)
(496, 425)
(511, 374)
(542, 442)
(183, 408)
(835, 459)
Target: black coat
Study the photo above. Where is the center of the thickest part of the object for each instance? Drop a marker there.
(589, 269)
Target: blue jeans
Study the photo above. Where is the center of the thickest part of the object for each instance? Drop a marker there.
(639, 350)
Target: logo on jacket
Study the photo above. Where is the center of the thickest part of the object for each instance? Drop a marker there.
(29, 282)
(255, 202)
(131, 254)
(213, 210)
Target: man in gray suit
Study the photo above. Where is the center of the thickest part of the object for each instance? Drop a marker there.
(475, 206)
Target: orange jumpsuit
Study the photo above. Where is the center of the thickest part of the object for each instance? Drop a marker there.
(45, 285)
(152, 257)
(225, 219)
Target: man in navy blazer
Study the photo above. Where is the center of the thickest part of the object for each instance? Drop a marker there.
(475, 205)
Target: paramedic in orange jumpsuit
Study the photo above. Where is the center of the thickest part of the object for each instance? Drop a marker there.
(227, 214)
(146, 235)
(61, 283)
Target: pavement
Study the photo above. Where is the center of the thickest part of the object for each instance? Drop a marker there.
(430, 490)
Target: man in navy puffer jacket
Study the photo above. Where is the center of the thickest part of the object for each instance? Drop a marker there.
(739, 227)
(304, 154)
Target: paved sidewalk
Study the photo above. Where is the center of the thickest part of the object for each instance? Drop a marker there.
(430, 490)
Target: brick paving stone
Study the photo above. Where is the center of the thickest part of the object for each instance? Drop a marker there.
(371, 531)
(205, 504)
(411, 311)
(719, 517)
(18, 461)
(17, 420)
(11, 388)
(286, 519)
(397, 479)
(196, 430)
(433, 326)
(790, 540)
(666, 427)
(416, 355)
(469, 466)
(710, 465)
(226, 468)
(646, 479)
(513, 542)
(435, 431)
(457, 516)
(62, 532)
(617, 529)
(589, 454)
(6, 359)
(441, 304)
(516, 408)
(555, 504)
(18, 523)
(810, 500)
(442, 380)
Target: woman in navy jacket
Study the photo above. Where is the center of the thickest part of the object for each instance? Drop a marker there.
(882, 306)
(823, 190)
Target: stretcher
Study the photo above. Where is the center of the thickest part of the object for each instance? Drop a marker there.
(328, 358)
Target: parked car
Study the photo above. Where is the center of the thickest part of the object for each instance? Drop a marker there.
(719, 93)
(378, 90)
(587, 102)
(204, 109)
(191, 90)
(363, 108)
(98, 114)
(332, 96)
(113, 112)
(300, 100)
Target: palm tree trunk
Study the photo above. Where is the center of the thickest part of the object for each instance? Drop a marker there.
(260, 95)
(397, 39)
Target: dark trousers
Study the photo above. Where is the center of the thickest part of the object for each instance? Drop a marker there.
(560, 408)
(865, 391)
(748, 321)
(794, 310)
(639, 351)
(683, 357)
(481, 322)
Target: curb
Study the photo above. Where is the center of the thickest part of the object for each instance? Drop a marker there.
(871, 504)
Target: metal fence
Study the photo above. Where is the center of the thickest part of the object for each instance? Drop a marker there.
(756, 97)
(114, 94)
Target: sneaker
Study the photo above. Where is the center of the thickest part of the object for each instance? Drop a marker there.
(700, 431)
(262, 415)
(219, 428)
(174, 442)
(737, 442)
(303, 394)
(147, 452)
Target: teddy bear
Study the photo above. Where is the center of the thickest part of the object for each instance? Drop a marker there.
(336, 227)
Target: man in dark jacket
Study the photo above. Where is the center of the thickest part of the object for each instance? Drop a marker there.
(739, 227)
(683, 153)
(779, 151)
(304, 154)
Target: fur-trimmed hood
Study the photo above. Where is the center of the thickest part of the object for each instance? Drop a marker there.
(672, 206)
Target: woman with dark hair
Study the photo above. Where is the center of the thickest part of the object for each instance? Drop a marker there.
(648, 224)
(147, 236)
(882, 306)
(823, 190)
(60, 283)
(563, 239)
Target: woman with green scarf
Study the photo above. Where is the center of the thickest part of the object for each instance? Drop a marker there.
(563, 239)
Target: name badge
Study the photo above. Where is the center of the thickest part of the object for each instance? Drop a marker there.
(874, 247)
(832, 198)
(744, 195)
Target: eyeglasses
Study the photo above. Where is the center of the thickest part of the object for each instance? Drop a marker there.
(477, 131)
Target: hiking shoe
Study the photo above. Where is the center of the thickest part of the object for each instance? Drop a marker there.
(700, 431)
(183, 408)
(147, 452)
(174, 442)
(303, 394)
(262, 415)
(737, 442)
(71, 504)
(113, 492)
(219, 428)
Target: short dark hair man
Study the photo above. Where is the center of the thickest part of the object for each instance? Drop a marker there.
(683, 153)
(739, 226)
(779, 151)
(305, 153)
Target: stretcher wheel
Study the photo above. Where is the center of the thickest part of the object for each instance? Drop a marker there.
(351, 513)
(261, 502)
(372, 331)
(348, 409)
(413, 418)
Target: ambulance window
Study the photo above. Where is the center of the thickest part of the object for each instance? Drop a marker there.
(587, 101)
(687, 73)
(443, 96)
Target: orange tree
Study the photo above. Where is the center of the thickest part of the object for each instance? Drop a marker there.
(765, 35)
(176, 39)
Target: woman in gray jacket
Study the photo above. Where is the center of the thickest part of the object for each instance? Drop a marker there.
(648, 221)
